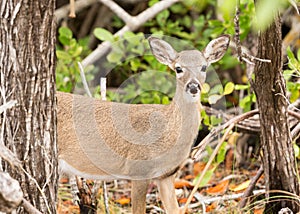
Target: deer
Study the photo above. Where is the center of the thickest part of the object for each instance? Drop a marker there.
(105, 140)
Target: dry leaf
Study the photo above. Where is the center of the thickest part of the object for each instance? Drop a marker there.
(218, 189)
(123, 201)
(182, 183)
(211, 207)
(241, 186)
(198, 167)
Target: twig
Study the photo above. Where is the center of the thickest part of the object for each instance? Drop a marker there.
(212, 157)
(223, 198)
(105, 197)
(251, 186)
(62, 12)
(295, 133)
(83, 79)
(103, 88)
(135, 23)
(7, 105)
(237, 30)
(214, 132)
(72, 9)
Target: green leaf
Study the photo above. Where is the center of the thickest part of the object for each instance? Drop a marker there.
(162, 17)
(229, 87)
(206, 178)
(135, 64)
(265, 12)
(156, 99)
(63, 55)
(64, 40)
(241, 87)
(222, 153)
(114, 57)
(213, 99)
(165, 100)
(215, 120)
(65, 32)
(296, 150)
(103, 35)
(205, 88)
(290, 53)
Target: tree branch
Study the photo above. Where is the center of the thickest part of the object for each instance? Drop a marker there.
(79, 5)
(132, 24)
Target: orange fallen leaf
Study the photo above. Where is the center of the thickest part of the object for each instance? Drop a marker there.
(184, 200)
(211, 207)
(259, 211)
(64, 180)
(241, 186)
(218, 189)
(123, 201)
(198, 167)
(189, 177)
(182, 183)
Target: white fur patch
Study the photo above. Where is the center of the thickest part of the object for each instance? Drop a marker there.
(67, 169)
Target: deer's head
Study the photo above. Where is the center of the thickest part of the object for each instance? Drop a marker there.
(190, 65)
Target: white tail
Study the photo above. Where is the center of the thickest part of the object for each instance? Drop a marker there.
(107, 140)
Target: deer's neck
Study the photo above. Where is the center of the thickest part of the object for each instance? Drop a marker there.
(189, 111)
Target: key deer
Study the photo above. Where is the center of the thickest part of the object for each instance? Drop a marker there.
(108, 140)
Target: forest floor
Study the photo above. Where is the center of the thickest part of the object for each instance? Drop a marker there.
(221, 194)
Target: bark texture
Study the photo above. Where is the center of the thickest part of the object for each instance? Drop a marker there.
(27, 75)
(277, 149)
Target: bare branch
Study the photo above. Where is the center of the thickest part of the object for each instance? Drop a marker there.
(135, 23)
(251, 186)
(119, 11)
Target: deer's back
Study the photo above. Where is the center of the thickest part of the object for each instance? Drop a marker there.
(139, 138)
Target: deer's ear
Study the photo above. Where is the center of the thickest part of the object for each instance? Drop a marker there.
(216, 49)
(162, 51)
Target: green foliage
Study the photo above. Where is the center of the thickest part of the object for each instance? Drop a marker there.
(266, 10)
(68, 54)
(293, 86)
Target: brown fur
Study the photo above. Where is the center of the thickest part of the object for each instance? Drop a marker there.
(107, 140)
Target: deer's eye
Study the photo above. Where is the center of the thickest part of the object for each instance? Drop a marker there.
(203, 68)
(178, 68)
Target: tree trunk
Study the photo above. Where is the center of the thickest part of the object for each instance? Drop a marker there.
(27, 66)
(277, 149)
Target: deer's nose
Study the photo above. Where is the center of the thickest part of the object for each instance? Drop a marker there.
(193, 87)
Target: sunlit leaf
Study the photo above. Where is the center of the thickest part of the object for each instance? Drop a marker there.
(229, 87)
(218, 189)
(213, 99)
(241, 186)
(103, 35)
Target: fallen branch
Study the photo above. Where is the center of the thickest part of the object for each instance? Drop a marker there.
(250, 188)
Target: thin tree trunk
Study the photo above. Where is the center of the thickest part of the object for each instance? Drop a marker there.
(27, 66)
(277, 149)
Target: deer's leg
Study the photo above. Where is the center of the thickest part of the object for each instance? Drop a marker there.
(138, 195)
(167, 194)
